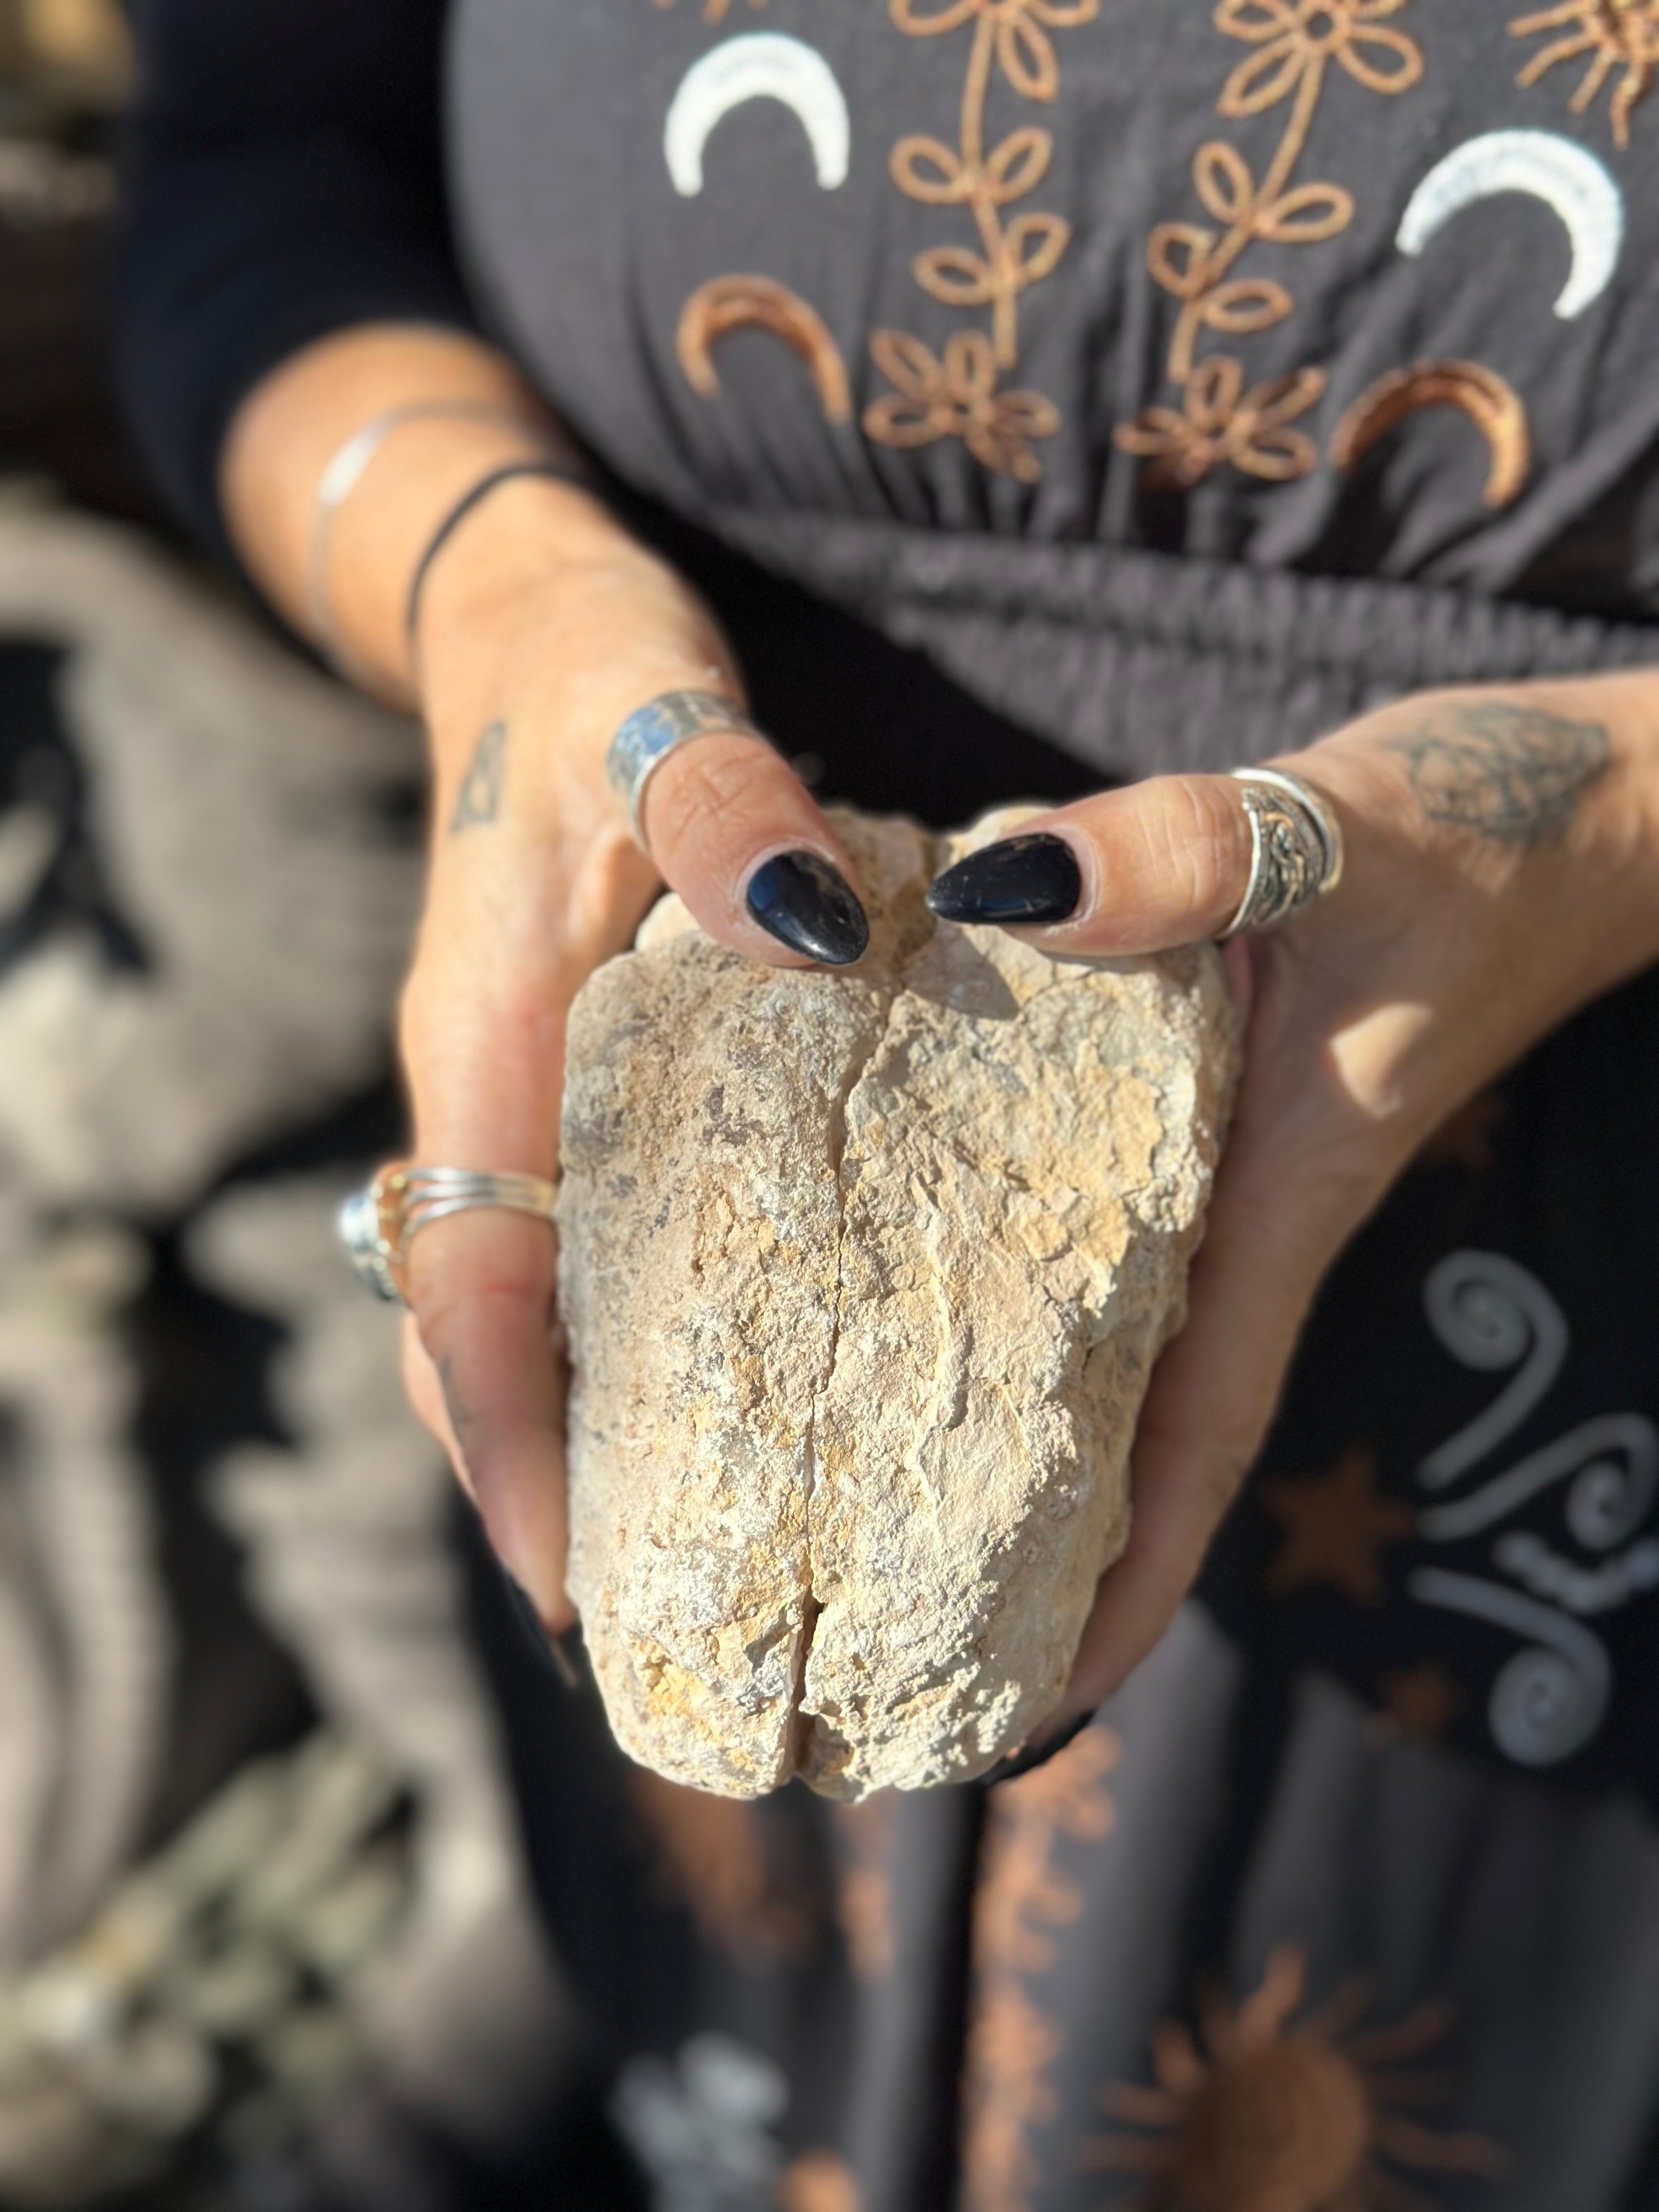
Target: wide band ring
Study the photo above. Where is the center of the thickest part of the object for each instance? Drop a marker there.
(659, 728)
(378, 1223)
(1296, 848)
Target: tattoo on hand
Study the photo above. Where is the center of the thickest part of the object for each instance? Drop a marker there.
(480, 799)
(1512, 774)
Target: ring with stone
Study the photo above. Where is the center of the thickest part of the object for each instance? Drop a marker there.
(660, 727)
(1296, 848)
(378, 1223)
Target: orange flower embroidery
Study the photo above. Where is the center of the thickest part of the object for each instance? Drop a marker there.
(1025, 1896)
(715, 11)
(1611, 33)
(1219, 420)
(1295, 38)
(957, 397)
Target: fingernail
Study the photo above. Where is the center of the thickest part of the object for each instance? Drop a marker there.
(800, 899)
(1036, 1751)
(548, 1647)
(1021, 879)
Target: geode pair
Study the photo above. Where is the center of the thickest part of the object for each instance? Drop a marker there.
(864, 1275)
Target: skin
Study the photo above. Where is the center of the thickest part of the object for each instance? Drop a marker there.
(1503, 869)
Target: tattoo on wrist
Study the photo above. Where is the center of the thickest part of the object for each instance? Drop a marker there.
(480, 799)
(1511, 774)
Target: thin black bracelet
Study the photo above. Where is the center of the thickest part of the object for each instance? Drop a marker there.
(457, 515)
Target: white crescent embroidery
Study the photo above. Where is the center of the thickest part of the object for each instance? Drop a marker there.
(1552, 169)
(762, 65)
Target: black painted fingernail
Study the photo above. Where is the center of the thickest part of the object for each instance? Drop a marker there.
(548, 1647)
(800, 899)
(1030, 879)
(1034, 1752)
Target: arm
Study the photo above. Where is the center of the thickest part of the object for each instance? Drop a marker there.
(259, 336)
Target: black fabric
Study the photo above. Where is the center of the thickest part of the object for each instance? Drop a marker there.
(282, 181)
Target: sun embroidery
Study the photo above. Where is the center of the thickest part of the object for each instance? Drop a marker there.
(1616, 34)
(1221, 417)
(958, 393)
(1267, 2116)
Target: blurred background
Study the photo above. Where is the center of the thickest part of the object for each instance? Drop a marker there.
(264, 1934)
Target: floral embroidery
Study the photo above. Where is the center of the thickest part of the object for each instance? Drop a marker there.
(1611, 31)
(715, 11)
(957, 395)
(1269, 2116)
(1023, 1895)
(1219, 420)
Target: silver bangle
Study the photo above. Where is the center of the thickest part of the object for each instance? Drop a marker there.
(1296, 848)
(344, 470)
(660, 727)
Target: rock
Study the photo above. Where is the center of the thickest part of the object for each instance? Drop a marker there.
(864, 1276)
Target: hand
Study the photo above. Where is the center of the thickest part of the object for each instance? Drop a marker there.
(1503, 868)
(539, 637)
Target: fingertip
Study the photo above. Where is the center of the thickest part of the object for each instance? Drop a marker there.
(806, 903)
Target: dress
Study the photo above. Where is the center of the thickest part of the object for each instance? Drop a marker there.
(1076, 387)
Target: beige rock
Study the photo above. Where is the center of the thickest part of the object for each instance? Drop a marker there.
(864, 1276)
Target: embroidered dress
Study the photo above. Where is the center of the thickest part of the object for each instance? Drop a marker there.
(1046, 392)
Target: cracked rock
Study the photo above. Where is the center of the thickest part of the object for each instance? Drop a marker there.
(864, 1275)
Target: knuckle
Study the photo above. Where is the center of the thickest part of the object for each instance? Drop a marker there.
(710, 787)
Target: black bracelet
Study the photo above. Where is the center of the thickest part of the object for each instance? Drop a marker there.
(457, 515)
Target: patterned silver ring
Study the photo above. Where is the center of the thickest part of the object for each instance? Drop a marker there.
(1296, 848)
(648, 736)
(378, 1223)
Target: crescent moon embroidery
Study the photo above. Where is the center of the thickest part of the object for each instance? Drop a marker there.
(1494, 407)
(759, 65)
(731, 303)
(1565, 177)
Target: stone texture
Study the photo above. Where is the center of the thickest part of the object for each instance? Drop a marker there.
(864, 1276)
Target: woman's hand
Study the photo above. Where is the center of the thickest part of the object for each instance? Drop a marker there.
(543, 629)
(1503, 868)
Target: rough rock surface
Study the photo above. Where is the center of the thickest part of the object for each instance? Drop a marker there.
(864, 1276)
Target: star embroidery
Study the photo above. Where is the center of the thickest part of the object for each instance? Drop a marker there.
(1421, 1701)
(1464, 1138)
(1334, 1526)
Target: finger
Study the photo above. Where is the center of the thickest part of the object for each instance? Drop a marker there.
(483, 1032)
(1273, 1232)
(483, 1294)
(741, 840)
(1161, 863)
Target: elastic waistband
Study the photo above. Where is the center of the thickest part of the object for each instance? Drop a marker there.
(1140, 662)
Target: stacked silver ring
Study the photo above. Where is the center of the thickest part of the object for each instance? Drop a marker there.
(656, 729)
(1296, 848)
(378, 1223)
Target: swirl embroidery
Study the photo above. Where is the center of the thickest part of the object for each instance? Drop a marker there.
(1219, 419)
(957, 393)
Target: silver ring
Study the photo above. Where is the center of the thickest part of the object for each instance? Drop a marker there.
(1296, 848)
(648, 737)
(378, 1223)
